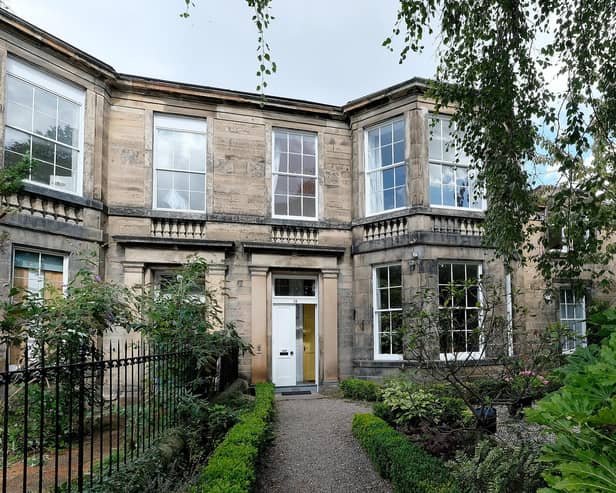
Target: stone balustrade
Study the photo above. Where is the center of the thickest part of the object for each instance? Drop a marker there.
(45, 207)
(464, 226)
(387, 228)
(299, 235)
(177, 228)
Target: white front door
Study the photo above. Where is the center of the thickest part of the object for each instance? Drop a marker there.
(283, 345)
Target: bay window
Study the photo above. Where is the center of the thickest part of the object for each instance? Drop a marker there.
(44, 120)
(386, 167)
(451, 182)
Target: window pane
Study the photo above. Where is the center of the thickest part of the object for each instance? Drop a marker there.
(197, 201)
(309, 207)
(68, 122)
(400, 196)
(444, 273)
(398, 130)
(388, 199)
(180, 181)
(15, 141)
(383, 298)
(459, 273)
(386, 155)
(386, 135)
(45, 113)
(459, 341)
(280, 205)
(295, 163)
(382, 277)
(396, 342)
(282, 165)
(295, 206)
(18, 103)
(395, 298)
(388, 178)
(19, 91)
(43, 150)
(472, 296)
(384, 322)
(197, 182)
(27, 260)
(280, 142)
(66, 157)
(395, 275)
(449, 195)
(280, 184)
(309, 187)
(385, 343)
(435, 145)
(400, 175)
(295, 185)
(52, 263)
(398, 152)
(295, 143)
(42, 172)
(309, 165)
(309, 144)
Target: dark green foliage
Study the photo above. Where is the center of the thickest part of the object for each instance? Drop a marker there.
(496, 65)
(232, 466)
(172, 459)
(16, 417)
(601, 323)
(582, 416)
(383, 411)
(185, 311)
(12, 176)
(407, 466)
(362, 390)
(498, 468)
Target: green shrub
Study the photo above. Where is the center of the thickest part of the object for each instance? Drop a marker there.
(232, 466)
(582, 416)
(409, 405)
(383, 411)
(498, 468)
(400, 461)
(363, 390)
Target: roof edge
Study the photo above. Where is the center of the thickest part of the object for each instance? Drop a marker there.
(416, 85)
(148, 84)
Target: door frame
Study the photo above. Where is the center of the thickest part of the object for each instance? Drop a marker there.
(300, 300)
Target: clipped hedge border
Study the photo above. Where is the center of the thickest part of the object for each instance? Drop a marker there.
(396, 458)
(232, 466)
(363, 390)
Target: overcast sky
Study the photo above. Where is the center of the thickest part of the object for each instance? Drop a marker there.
(326, 50)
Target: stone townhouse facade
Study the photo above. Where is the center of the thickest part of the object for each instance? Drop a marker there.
(317, 221)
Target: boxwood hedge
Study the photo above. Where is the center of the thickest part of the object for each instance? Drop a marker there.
(404, 464)
(232, 466)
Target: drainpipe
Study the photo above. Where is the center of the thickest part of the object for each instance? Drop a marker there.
(509, 298)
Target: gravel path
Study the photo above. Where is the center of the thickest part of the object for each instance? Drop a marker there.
(315, 451)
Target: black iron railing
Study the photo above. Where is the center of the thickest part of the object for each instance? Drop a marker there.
(70, 416)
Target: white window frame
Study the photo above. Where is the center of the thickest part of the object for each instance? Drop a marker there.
(367, 171)
(178, 123)
(466, 355)
(302, 176)
(65, 256)
(378, 356)
(451, 164)
(580, 340)
(36, 77)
